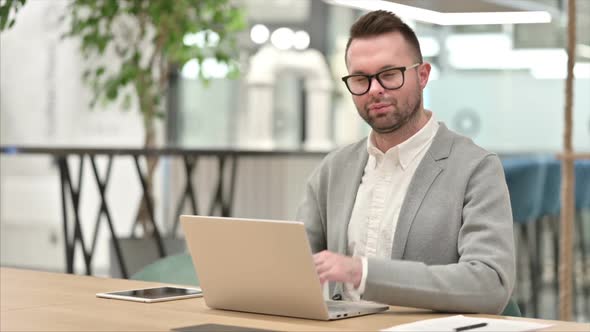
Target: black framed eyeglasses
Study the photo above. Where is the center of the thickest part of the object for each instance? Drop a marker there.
(389, 78)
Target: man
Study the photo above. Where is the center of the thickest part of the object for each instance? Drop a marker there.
(415, 214)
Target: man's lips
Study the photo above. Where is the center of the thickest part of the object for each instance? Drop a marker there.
(379, 108)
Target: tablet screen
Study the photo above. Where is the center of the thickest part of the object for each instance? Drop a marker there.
(157, 293)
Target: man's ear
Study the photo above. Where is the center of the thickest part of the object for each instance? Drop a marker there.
(424, 74)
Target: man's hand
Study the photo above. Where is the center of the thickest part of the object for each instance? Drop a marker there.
(334, 267)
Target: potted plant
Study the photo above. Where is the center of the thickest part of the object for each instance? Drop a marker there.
(8, 10)
(132, 46)
(150, 39)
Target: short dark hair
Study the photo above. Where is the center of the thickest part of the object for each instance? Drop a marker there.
(379, 22)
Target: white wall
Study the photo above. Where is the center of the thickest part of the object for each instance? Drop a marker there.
(45, 103)
(518, 113)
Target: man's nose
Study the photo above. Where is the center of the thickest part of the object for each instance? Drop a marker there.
(375, 87)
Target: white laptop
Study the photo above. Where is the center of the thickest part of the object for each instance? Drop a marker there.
(261, 266)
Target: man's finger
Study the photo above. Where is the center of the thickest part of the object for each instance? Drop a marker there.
(324, 277)
(322, 268)
(320, 255)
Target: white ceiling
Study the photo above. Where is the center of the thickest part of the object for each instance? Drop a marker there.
(526, 35)
(277, 11)
(530, 35)
(463, 6)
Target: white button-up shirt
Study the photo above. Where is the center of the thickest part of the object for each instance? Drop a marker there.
(380, 196)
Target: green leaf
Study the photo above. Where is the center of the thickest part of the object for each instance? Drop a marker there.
(234, 72)
(112, 88)
(160, 115)
(154, 26)
(99, 71)
(86, 74)
(126, 104)
(3, 17)
(7, 8)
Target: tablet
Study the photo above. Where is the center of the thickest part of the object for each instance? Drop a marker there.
(155, 294)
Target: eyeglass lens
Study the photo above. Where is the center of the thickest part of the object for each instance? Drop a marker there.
(389, 79)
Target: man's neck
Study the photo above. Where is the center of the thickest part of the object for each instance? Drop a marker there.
(386, 141)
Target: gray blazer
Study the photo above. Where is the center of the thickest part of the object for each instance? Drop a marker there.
(453, 249)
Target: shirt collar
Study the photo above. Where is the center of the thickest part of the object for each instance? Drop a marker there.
(408, 150)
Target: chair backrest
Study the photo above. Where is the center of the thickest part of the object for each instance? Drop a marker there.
(525, 177)
(512, 309)
(174, 269)
(582, 169)
(552, 188)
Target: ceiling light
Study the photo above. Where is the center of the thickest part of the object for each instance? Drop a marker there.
(434, 17)
(211, 69)
(282, 38)
(201, 39)
(191, 69)
(583, 50)
(508, 59)
(476, 43)
(581, 71)
(259, 34)
(301, 40)
(495, 18)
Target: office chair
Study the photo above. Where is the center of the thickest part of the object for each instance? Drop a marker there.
(582, 174)
(512, 309)
(173, 269)
(552, 207)
(525, 177)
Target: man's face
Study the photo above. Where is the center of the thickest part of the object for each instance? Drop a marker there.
(387, 110)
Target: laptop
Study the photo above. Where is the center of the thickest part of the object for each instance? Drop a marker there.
(261, 266)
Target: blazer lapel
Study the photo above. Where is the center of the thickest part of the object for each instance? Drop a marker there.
(427, 171)
(347, 190)
(347, 181)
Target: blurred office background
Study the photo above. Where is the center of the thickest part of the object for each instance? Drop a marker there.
(500, 84)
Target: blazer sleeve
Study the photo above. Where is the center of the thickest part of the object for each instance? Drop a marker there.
(310, 211)
(482, 279)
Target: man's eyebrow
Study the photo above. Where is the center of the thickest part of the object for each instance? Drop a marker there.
(360, 72)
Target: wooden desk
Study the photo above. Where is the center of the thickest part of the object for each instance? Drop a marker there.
(43, 301)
